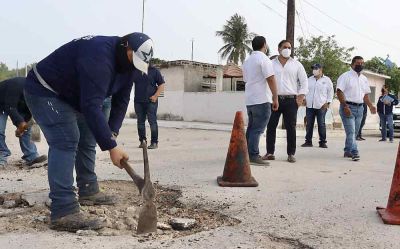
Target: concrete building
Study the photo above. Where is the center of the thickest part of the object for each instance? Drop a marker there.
(196, 91)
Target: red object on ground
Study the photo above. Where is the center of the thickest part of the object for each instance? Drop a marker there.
(391, 214)
(237, 171)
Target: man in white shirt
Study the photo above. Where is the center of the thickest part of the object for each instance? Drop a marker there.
(292, 86)
(352, 91)
(257, 72)
(318, 99)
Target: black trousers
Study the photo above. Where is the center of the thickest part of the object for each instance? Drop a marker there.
(363, 120)
(288, 108)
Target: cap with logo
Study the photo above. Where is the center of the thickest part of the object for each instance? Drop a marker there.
(142, 47)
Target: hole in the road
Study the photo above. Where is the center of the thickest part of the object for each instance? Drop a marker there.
(28, 212)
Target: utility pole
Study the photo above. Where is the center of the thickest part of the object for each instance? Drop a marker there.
(143, 15)
(17, 69)
(192, 48)
(291, 10)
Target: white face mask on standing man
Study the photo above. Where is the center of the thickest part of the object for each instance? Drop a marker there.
(286, 52)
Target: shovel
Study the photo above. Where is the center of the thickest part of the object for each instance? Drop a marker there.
(148, 214)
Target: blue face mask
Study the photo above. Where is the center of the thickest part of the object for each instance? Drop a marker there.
(358, 68)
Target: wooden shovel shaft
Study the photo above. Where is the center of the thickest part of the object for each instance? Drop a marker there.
(139, 181)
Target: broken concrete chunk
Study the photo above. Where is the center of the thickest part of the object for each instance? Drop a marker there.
(173, 211)
(43, 219)
(119, 225)
(132, 223)
(35, 198)
(163, 226)
(87, 233)
(131, 212)
(182, 224)
(10, 204)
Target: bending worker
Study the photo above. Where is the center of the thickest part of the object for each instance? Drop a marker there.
(65, 93)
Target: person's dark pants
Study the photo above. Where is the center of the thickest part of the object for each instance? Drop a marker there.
(258, 116)
(386, 119)
(288, 108)
(320, 114)
(71, 143)
(363, 120)
(149, 110)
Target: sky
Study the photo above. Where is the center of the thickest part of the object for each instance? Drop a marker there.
(30, 30)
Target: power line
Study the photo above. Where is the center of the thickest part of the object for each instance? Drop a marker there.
(301, 26)
(307, 22)
(346, 26)
(276, 12)
(304, 17)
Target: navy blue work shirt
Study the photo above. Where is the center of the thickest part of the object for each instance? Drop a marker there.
(146, 85)
(83, 73)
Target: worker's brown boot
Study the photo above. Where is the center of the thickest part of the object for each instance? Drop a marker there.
(75, 222)
(97, 199)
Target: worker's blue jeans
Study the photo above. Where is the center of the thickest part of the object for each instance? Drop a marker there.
(28, 148)
(149, 110)
(258, 117)
(71, 143)
(351, 126)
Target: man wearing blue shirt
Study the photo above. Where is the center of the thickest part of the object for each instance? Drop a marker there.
(65, 93)
(12, 104)
(147, 90)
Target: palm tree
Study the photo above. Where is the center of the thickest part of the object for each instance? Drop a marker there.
(236, 38)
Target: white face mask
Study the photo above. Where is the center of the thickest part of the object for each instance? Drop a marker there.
(316, 72)
(286, 52)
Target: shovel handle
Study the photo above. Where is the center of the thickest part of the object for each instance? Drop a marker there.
(139, 181)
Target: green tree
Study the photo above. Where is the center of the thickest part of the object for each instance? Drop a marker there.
(326, 51)
(236, 38)
(377, 65)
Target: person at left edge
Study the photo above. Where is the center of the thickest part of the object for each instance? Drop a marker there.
(65, 93)
(12, 104)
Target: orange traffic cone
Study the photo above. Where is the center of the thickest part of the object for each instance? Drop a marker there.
(237, 165)
(391, 214)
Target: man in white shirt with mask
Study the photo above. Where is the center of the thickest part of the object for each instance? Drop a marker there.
(260, 92)
(318, 99)
(292, 85)
(352, 91)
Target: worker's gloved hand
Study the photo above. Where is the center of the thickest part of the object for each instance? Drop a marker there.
(21, 129)
(116, 155)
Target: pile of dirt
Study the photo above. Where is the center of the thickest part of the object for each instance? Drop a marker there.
(22, 212)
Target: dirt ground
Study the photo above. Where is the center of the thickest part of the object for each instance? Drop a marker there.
(321, 201)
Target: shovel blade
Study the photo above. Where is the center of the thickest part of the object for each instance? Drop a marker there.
(147, 218)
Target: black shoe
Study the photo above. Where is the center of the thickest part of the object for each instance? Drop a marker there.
(268, 157)
(38, 159)
(355, 157)
(307, 144)
(257, 160)
(362, 138)
(75, 222)
(382, 140)
(141, 145)
(152, 146)
(291, 159)
(97, 199)
(348, 155)
(323, 145)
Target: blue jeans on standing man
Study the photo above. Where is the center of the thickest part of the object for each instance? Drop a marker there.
(352, 126)
(149, 110)
(258, 117)
(71, 143)
(386, 119)
(28, 148)
(311, 113)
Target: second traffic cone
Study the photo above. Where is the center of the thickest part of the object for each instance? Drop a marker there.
(237, 171)
(391, 214)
